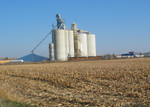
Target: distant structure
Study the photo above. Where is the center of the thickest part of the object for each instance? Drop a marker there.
(147, 54)
(131, 54)
(67, 43)
(31, 58)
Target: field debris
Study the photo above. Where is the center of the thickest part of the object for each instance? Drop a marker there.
(89, 83)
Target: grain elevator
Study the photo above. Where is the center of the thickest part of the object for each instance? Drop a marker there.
(69, 43)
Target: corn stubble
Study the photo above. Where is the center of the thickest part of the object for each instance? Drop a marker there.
(92, 83)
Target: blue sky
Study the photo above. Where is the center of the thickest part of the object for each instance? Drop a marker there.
(120, 25)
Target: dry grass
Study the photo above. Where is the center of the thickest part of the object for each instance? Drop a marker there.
(93, 83)
(5, 61)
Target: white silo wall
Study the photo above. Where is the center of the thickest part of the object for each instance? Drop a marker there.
(51, 51)
(54, 42)
(83, 45)
(91, 45)
(59, 43)
(66, 43)
(71, 43)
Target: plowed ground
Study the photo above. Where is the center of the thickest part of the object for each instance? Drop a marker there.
(92, 83)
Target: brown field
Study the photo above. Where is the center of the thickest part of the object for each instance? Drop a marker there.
(113, 83)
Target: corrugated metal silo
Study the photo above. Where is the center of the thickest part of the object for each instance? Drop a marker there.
(59, 44)
(71, 43)
(51, 51)
(91, 45)
(83, 45)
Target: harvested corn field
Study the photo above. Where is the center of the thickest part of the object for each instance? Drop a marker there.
(92, 83)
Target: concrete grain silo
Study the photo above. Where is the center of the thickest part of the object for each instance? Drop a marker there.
(83, 45)
(71, 43)
(66, 43)
(91, 45)
(59, 44)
